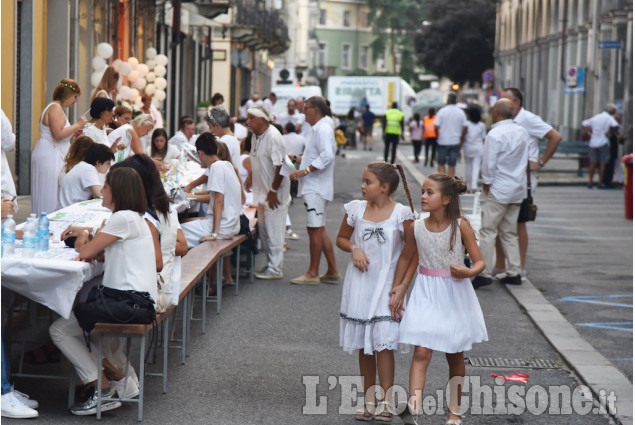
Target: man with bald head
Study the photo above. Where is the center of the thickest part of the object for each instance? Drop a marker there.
(504, 172)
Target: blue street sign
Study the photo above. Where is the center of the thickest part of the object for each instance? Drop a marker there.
(579, 87)
(610, 44)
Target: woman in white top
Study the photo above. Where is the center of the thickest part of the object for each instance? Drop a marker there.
(75, 155)
(133, 255)
(473, 147)
(82, 181)
(101, 111)
(126, 137)
(49, 153)
(244, 168)
(416, 134)
(161, 152)
(108, 87)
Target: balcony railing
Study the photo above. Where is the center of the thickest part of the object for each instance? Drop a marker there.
(269, 27)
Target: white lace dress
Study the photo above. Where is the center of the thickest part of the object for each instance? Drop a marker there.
(365, 320)
(443, 314)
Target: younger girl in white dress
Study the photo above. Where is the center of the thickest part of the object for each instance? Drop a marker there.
(373, 230)
(443, 312)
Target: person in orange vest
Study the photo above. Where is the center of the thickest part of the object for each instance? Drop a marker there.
(430, 136)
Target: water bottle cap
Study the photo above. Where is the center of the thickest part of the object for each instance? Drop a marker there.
(43, 213)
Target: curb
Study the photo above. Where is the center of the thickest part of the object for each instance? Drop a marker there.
(593, 369)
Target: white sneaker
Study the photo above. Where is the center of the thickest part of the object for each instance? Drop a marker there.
(12, 407)
(523, 275)
(289, 234)
(499, 273)
(132, 389)
(25, 399)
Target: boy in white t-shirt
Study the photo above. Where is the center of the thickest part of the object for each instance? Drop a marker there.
(82, 182)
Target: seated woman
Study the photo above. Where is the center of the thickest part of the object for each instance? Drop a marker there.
(75, 155)
(132, 253)
(127, 136)
(161, 152)
(123, 115)
(82, 182)
(223, 193)
(101, 111)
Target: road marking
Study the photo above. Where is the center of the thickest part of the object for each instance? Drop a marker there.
(624, 359)
(616, 326)
(596, 299)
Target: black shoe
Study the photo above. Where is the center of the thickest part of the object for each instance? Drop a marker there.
(512, 280)
(479, 281)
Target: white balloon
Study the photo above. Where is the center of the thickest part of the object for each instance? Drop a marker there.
(140, 83)
(104, 50)
(150, 89)
(159, 94)
(151, 52)
(160, 83)
(151, 63)
(143, 69)
(95, 78)
(134, 93)
(99, 64)
(156, 103)
(150, 77)
(162, 60)
(160, 71)
(116, 64)
(125, 68)
(133, 75)
(125, 92)
(133, 62)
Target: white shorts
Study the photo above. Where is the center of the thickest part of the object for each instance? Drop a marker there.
(315, 210)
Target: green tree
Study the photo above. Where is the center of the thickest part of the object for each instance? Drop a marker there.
(394, 23)
(458, 42)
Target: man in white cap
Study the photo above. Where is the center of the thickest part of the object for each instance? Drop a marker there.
(270, 189)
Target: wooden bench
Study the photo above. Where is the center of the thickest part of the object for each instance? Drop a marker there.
(570, 149)
(195, 266)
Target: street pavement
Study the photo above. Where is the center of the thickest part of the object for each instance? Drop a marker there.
(272, 356)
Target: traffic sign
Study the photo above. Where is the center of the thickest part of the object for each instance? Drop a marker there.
(488, 76)
(492, 96)
(610, 44)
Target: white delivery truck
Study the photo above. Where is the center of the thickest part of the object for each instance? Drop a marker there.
(378, 92)
(288, 92)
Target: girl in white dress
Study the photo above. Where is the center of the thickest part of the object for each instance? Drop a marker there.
(48, 156)
(443, 312)
(372, 230)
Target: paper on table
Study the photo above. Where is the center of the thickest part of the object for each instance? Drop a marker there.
(287, 167)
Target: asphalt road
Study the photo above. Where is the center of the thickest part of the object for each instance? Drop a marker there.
(272, 356)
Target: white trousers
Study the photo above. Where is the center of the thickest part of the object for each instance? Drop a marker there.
(502, 220)
(271, 228)
(472, 171)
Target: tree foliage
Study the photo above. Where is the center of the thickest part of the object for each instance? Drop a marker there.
(394, 23)
(458, 43)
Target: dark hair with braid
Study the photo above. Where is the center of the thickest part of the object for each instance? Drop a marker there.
(387, 173)
(451, 187)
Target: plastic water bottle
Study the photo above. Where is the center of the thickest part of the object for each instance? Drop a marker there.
(8, 237)
(29, 240)
(43, 233)
(183, 157)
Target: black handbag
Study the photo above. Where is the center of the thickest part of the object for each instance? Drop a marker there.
(109, 305)
(528, 209)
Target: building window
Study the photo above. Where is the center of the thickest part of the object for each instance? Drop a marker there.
(363, 57)
(322, 55)
(322, 16)
(346, 56)
(347, 18)
(381, 62)
(363, 19)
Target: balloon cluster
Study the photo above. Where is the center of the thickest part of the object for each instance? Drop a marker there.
(141, 77)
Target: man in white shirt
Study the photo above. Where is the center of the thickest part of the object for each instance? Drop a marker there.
(254, 101)
(290, 116)
(222, 194)
(219, 121)
(537, 130)
(270, 189)
(451, 126)
(316, 187)
(269, 104)
(601, 127)
(185, 133)
(504, 174)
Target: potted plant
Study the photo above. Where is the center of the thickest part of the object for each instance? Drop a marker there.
(201, 109)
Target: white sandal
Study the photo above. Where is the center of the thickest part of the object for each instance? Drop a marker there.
(388, 410)
(455, 421)
(365, 414)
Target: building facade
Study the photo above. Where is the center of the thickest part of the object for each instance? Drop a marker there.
(569, 57)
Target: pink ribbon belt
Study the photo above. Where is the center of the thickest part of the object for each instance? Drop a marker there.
(437, 273)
